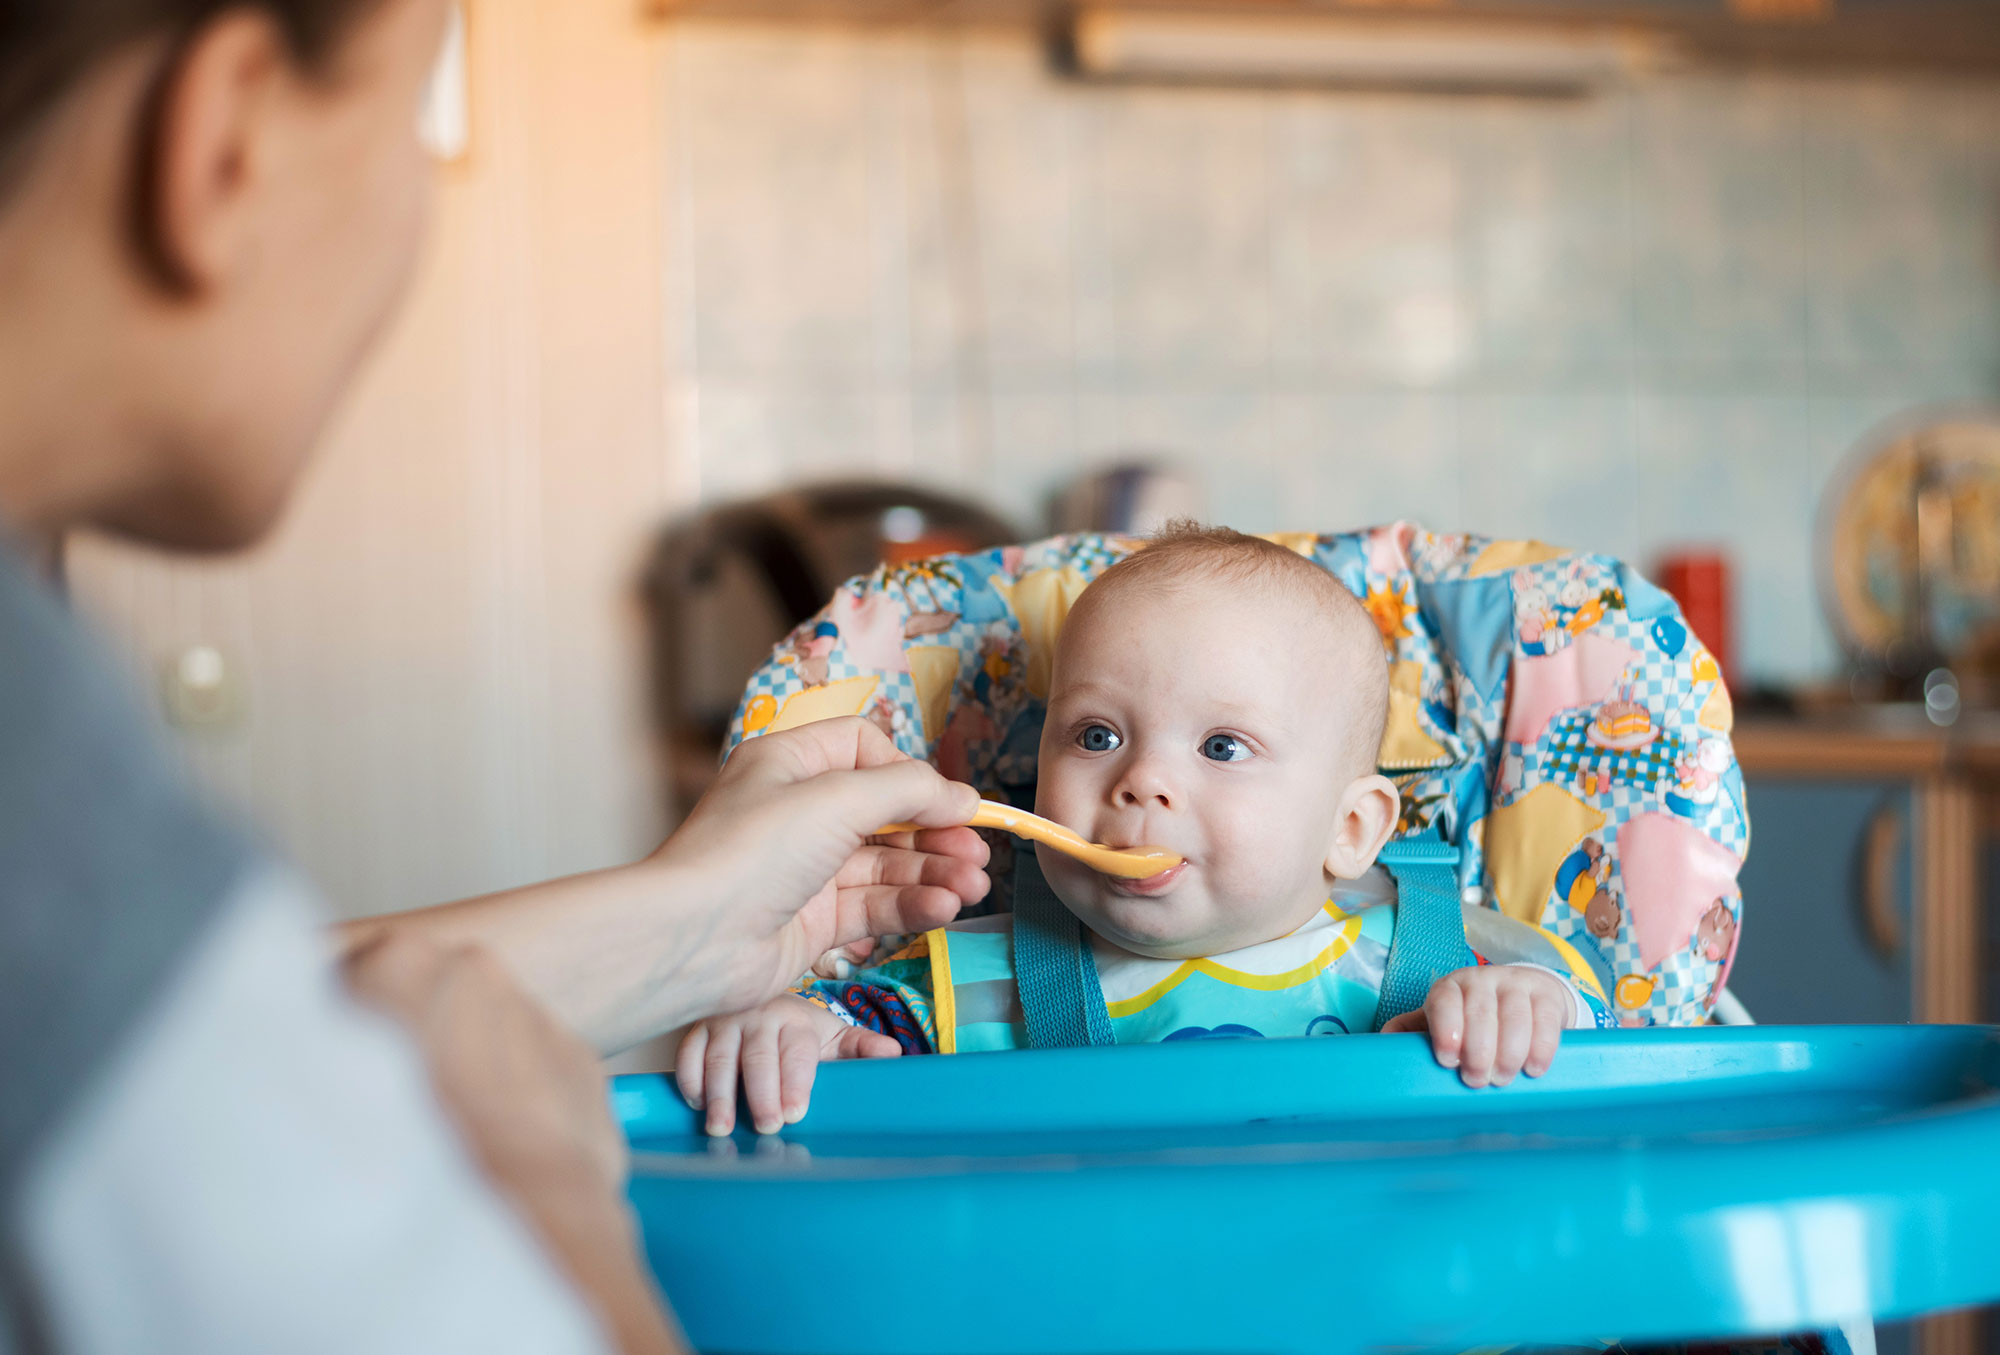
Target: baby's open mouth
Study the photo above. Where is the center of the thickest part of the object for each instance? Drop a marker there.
(1151, 884)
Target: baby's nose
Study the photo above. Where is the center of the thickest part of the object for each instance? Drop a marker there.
(1146, 786)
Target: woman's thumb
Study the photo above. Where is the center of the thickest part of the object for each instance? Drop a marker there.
(864, 801)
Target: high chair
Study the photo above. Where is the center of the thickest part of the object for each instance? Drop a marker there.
(1561, 742)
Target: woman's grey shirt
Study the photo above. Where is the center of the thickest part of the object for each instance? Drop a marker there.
(204, 1145)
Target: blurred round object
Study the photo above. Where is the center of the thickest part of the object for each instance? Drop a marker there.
(1134, 498)
(1941, 696)
(1910, 552)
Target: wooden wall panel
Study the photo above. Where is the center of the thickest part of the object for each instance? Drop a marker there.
(441, 663)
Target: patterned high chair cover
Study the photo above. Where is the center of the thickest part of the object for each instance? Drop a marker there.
(1550, 713)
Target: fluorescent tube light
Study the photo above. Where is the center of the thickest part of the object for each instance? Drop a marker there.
(1454, 55)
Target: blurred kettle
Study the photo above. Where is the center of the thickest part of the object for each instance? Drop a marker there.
(1133, 498)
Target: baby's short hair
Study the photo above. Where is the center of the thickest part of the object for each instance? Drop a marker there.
(1186, 551)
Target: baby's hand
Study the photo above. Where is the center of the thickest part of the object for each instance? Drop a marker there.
(1492, 1021)
(779, 1047)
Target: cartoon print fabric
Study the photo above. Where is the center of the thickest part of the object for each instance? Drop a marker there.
(1549, 711)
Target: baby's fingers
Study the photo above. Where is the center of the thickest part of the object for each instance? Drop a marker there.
(688, 1064)
(1516, 1013)
(1409, 1022)
(798, 1065)
(873, 1044)
(856, 1042)
(1551, 1015)
(719, 1078)
(1444, 1014)
(1482, 1035)
(761, 1081)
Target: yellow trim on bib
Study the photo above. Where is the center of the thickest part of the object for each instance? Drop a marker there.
(1342, 942)
(1579, 968)
(944, 1001)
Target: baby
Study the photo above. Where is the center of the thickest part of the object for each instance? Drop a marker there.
(1220, 696)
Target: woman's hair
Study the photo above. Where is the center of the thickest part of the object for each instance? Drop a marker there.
(48, 46)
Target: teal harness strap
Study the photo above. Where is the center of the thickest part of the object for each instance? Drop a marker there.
(1062, 1003)
(1430, 927)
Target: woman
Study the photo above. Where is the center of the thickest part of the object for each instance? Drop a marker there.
(207, 211)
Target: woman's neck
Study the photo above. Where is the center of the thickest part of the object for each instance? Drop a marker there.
(79, 340)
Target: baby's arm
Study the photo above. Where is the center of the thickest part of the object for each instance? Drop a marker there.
(1492, 1022)
(777, 1049)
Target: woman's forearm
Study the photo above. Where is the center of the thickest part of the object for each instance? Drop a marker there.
(603, 949)
(602, 1257)
(778, 863)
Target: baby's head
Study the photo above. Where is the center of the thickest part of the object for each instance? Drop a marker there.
(1221, 696)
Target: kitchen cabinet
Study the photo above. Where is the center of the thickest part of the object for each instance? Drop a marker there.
(1870, 891)
(1827, 893)
(1870, 835)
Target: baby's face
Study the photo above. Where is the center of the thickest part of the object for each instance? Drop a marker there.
(1201, 718)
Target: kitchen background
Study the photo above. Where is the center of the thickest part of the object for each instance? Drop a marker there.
(685, 262)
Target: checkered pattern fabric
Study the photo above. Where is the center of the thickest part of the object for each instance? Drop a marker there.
(1572, 753)
(958, 649)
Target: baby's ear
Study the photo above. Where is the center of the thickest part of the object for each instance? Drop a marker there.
(1366, 817)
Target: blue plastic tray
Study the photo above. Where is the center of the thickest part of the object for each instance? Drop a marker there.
(1335, 1195)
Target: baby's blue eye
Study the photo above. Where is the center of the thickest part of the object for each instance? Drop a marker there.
(1224, 748)
(1098, 739)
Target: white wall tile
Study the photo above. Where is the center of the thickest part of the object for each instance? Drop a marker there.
(1901, 228)
(1562, 468)
(1182, 236)
(930, 256)
(1548, 237)
(1366, 199)
(1355, 459)
(1735, 471)
(1719, 228)
(757, 436)
(1020, 137)
(797, 196)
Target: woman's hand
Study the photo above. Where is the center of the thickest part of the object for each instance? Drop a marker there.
(776, 865)
(781, 856)
(528, 1099)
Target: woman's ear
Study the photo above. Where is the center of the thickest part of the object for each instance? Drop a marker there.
(205, 147)
(1366, 817)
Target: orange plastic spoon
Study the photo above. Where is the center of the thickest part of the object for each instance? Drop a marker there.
(1136, 863)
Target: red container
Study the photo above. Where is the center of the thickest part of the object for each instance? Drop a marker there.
(1699, 581)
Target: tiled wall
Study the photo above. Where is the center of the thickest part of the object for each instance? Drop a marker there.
(1660, 316)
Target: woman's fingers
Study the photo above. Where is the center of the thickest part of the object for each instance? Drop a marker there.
(864, 799)
(806, 751)
(1516, 1011)
(934, 856)
(881, 910)
(719, 1077)
(688, 1061)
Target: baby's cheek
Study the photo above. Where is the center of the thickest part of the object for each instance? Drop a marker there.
(1256, 852)
(1057, 793)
